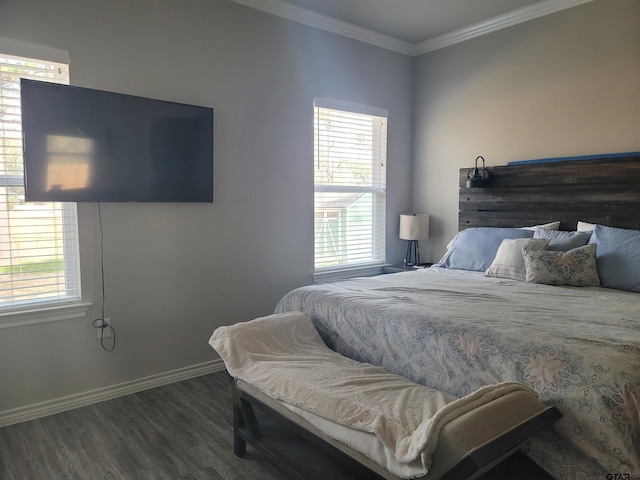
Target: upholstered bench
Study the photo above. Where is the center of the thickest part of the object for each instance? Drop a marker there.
(388, 424)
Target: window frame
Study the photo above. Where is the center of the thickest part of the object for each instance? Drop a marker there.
(62, 307)
(377, 188)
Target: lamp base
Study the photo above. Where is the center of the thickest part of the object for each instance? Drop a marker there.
(412, 256)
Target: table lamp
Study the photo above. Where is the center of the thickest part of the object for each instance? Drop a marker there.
(413, 227)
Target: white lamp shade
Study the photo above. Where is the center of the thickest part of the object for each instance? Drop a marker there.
(414, 226)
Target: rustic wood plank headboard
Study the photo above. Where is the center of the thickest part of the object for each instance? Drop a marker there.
(604, 191)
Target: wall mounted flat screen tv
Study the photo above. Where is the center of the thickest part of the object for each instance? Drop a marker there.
(85, 145)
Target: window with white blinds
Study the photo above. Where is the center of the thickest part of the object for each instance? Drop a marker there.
(350, 185)
(39, 256)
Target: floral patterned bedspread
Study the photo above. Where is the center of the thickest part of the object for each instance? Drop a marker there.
(456, 331)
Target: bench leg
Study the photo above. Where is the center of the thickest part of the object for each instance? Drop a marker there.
(239, 444)
(245, 423)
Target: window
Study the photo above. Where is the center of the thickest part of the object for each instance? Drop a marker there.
(350, 185)
(39, 256)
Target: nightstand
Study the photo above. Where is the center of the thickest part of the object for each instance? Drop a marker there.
(397, 269)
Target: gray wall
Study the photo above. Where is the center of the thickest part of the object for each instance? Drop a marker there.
(562, 85)
(176, 272)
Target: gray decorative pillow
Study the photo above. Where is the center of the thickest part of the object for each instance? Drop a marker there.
(575, 268)
(563, 241)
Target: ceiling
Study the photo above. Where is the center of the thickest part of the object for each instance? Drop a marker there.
(412, 20)
(412, 27)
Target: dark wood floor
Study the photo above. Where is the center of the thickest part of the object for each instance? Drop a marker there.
(175, 432)
(178, 431)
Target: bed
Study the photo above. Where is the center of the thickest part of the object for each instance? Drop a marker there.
(455, 329)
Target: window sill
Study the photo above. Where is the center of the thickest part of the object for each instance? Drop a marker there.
(345, 273)
(43, 315)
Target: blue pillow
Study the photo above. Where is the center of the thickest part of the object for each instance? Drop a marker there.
(475, 248)
(563, 241)
(617, 257)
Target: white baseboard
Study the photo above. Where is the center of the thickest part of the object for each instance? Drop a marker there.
(50, 407)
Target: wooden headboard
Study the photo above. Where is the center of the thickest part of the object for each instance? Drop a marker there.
(604, 191)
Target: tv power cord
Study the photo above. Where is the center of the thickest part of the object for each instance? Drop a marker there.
(104, 326)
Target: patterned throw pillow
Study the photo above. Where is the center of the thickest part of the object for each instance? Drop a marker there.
(575, 268)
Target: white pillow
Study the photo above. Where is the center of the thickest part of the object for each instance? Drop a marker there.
(546, 226)
(585, 227)
(509, 261)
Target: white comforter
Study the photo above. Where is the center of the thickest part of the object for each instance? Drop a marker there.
(457, 331)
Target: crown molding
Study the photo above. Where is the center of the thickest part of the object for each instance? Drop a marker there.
(307, 17)
(329, 24)
(515, 17)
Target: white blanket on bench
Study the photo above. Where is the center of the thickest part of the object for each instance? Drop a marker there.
(284, 356)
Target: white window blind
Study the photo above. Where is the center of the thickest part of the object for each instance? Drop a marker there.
(39, 256)
(350, 185)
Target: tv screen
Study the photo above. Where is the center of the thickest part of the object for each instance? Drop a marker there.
(85, 145)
